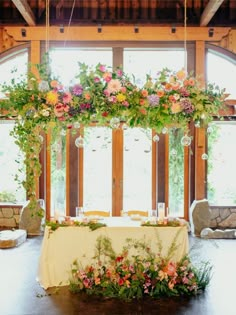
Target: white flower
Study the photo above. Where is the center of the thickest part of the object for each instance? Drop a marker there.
(43, 86)
(45, 113)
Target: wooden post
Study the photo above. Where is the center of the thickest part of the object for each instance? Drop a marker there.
(200, 143)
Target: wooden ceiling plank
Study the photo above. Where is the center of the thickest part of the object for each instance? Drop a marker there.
(25, 10)
(209, 11)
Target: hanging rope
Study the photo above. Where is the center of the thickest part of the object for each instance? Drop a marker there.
(69, 23)
(47, 25)
(185, 35)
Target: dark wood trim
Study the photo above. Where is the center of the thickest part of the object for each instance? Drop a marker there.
(73, 174)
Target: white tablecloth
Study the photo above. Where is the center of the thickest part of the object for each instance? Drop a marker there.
(61, 247)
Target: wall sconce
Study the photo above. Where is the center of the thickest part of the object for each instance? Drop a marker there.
(99, 28)
(61, 28)
(23, 32)
(136, 29)
(211, 32)
(173, 30)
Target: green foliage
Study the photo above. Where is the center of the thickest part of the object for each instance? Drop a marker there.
(6, 196)
(92, 225)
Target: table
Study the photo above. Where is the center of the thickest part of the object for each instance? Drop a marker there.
(61, 247)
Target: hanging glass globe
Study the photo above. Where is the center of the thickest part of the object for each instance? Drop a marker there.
(63, 132)
(115, 122)
(204, 156)
(79, 142)
(186, 141)
(41, 138)
(164, 130)
(209, 129)
(76, 125)
(173, 152)
(197, 124)
(147, 150)
(156, 138)
(124, 126)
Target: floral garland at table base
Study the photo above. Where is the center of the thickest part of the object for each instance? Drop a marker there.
(145, 274)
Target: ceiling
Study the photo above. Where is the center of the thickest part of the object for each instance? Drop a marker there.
(118, 12)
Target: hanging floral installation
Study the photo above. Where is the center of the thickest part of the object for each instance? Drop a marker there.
(106, 97)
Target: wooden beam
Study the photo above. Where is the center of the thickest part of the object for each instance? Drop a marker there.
(209, 11)
(117, 33)
(25, 11)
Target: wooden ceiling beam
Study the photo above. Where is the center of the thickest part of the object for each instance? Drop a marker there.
(25, 10)
(209, 11)
(117, 33)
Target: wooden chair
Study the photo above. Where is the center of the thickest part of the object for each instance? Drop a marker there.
(100, 213)
(142, 213)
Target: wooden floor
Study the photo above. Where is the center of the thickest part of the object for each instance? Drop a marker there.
(20, 293)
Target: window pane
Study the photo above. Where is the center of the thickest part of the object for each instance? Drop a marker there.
(58, 176)
(14, 67)
(176, 173)
(222, 71)
(137, 180)
(11, 165)
(64, 62)
(155, 60)
(221, 166)
(97, 168)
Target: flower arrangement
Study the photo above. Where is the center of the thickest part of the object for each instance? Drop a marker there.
(93, 225)
(144, 274)
(172, 98)
(104, 96)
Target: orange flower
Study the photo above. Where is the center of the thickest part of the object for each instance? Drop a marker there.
(168, 87)
(191, 81)
(176, 108)
(143, 111)
(54, 83)
(87, 96)
(142, 102)
(160, 93)
(144, 93)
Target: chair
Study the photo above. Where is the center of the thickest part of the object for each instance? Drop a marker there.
(100, 213)
(142, 213)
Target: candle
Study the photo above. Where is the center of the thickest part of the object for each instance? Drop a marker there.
(161, 211)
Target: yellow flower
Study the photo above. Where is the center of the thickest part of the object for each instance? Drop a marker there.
(120, 97)
(52, 98)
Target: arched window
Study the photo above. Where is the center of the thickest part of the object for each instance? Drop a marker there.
(14, 67)
(221, 167)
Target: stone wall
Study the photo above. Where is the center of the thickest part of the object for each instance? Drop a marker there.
(10, 216)
(223, 217)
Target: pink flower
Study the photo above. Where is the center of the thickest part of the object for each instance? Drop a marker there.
(119, 72)
(97, 79)
(102, 68)
(114, 86)
(67, 97)
(107, 76)
(185, 280)
(125, 103)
